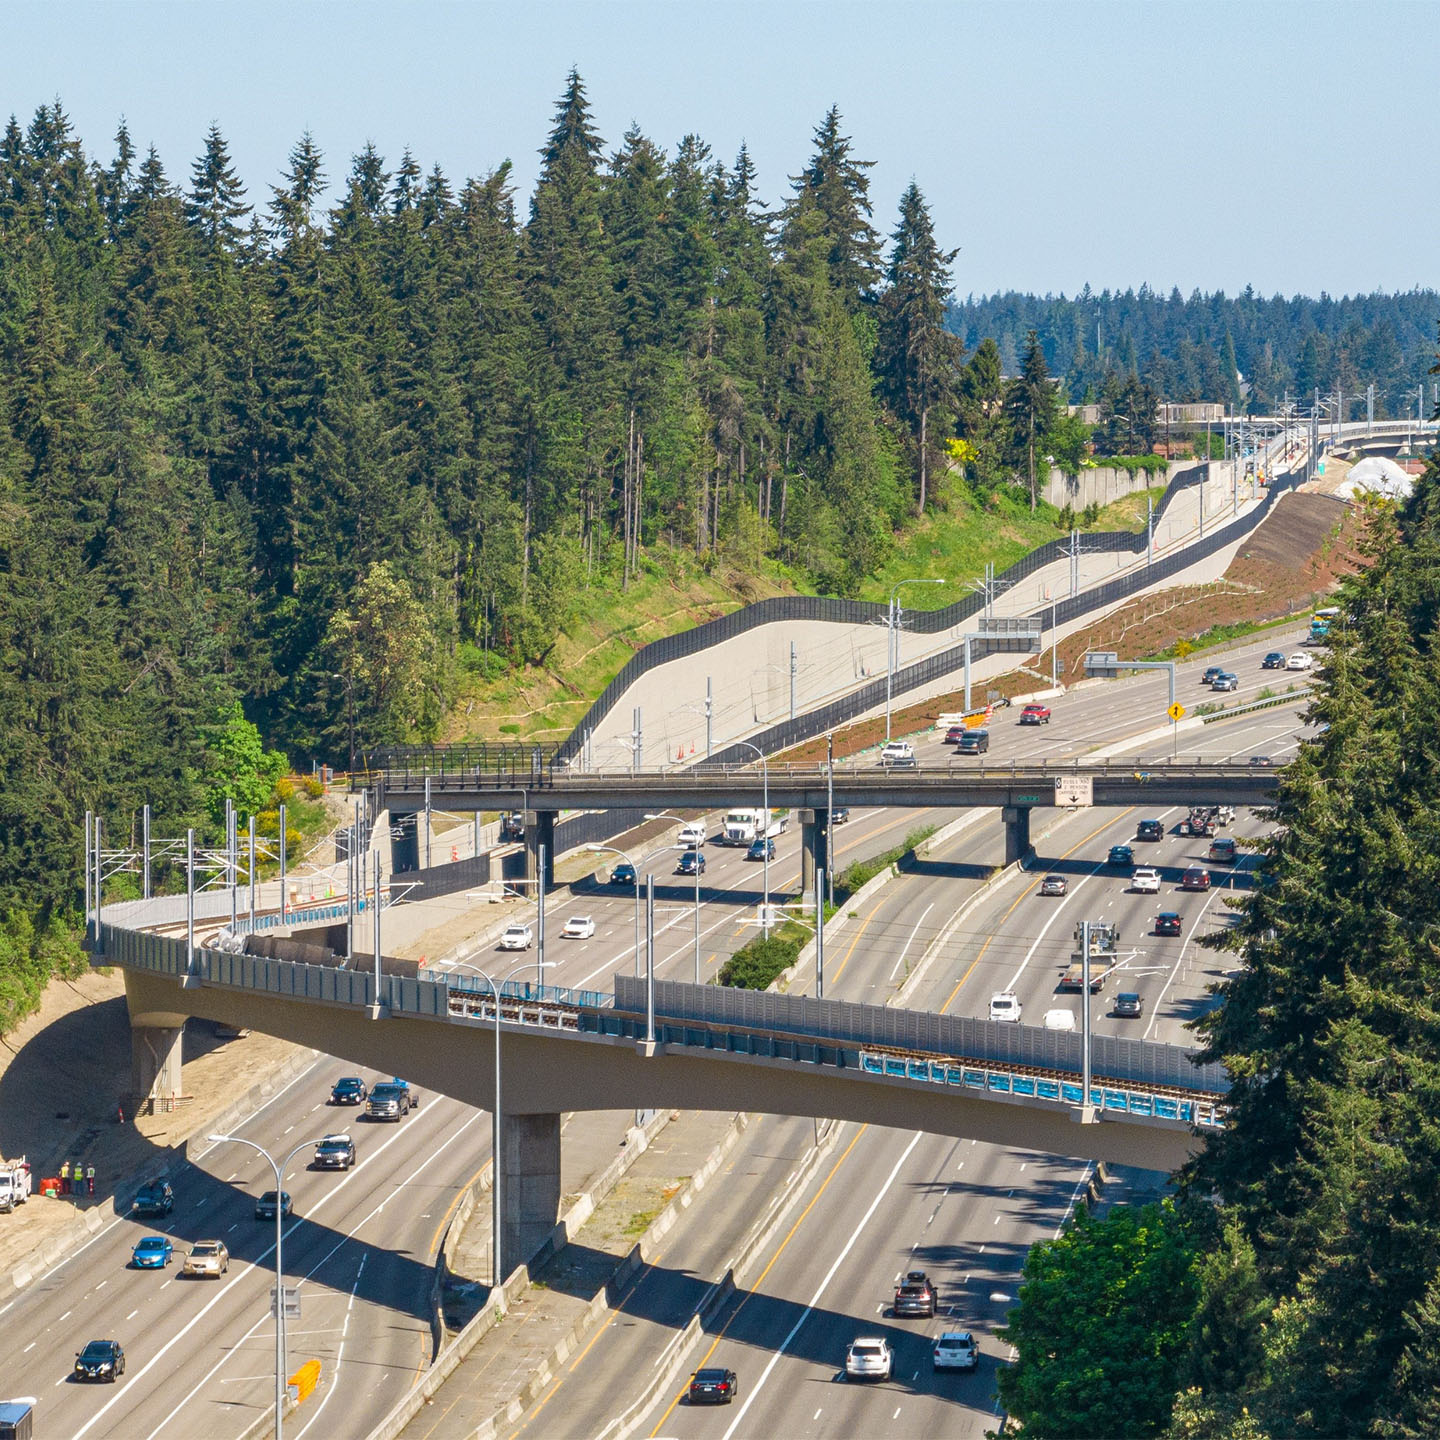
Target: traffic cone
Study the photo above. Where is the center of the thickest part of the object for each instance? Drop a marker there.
(679, 752)
(692, 747)
(454, 853)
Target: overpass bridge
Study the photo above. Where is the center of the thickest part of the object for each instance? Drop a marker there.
(542, 788)
(650, 1044)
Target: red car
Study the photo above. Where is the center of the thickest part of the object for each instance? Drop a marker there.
(1195, 879)
(1035, 715)
(953, 734)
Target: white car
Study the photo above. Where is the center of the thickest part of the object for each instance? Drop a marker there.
(955, 1350)
(1145, 881)
(1005, 1005)
(898, 752)
(578, 927)
(692, 836)
(1060, 1020)
(517, 937)
(868, 1358)
(1299, 661)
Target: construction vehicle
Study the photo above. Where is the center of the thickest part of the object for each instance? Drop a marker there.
(1104, 957)
(1207, 819)
(14, 1183)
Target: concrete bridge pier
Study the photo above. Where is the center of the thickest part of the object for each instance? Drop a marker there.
(530, 1185)
(540, 830)
(1017, 832)
(814, 846)
(155, 1056)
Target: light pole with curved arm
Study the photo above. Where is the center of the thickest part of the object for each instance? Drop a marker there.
(764, 833)
(893, 649)
(635, 869)
(279, 1170)
(496, 1164)
(698, 863)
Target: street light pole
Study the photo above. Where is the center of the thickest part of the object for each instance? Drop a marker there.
(279, 1170)
(497, 1166)
(611, 849)
(893, 651)
(765, 831)
(698, 862)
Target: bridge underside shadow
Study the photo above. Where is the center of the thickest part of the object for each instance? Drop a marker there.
(551, 1073)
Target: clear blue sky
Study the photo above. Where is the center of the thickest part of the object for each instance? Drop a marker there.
(1190, 144)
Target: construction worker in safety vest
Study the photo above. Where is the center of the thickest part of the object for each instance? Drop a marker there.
(64, 1177)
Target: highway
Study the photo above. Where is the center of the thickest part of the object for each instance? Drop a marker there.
(201, 1354)
(883, 1201)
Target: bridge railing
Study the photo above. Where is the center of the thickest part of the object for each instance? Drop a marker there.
(1142, 1061)
(738, 775)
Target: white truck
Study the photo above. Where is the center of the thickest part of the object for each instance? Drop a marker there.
(744, 827)
(14, 1183)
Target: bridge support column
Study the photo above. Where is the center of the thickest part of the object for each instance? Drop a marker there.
(530, 1181)
(1017, 832)
(155, 1054)
(540, 830)
(814, 847)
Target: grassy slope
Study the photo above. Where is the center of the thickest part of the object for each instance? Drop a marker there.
(673, 593)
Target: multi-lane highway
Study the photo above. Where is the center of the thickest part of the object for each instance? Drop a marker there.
(360, 1245)
(883, 1202)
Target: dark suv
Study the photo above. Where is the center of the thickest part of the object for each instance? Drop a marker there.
(1150, 830)
(973, 742)
(334, 1152)
(156, 1198)
(100, 1360)
(915, 1295)
(1128, 1005)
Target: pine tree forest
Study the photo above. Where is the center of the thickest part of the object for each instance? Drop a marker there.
(257, 453)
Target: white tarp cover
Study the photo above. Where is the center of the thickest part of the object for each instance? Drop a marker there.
(1380, 477)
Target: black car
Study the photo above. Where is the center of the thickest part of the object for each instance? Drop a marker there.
(334, 1152)
(973, 742)
(692, 862)
(265, 1205)
(349, 1090)
(840, 814)
(712, 1387)
(1149, 830)
(1211, 671)
(1275, 660)
(623, 874)
(156, 1198)
(759, 848)
(1128, 1005)
(1167, 923)
(1120, 855)
(100, 1360)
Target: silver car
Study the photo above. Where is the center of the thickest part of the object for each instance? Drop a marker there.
(207, 1258)
(868, 1358)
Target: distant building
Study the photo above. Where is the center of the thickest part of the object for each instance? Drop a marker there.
(1203, 413)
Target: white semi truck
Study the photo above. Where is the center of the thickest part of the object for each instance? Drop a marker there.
(744, 827)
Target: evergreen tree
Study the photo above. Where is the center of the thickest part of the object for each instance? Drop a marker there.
(1031, 407)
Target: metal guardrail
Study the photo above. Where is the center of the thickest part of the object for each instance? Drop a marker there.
(1252, 705)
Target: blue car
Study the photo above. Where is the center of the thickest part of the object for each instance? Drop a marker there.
(152, 1253)
(761, 850)
(692, 862)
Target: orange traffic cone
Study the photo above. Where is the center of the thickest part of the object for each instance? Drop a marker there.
(454, 853)
(679, 752)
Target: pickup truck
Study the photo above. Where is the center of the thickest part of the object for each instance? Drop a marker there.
(1104, 957)
(390, 1100)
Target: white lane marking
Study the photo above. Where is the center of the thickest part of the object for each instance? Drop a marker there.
(132, 1315)
(69, 1313)
(344, 1240)
(815, 1298)
(340, 1353)
(910, 941)
(104, 1283)
(1044, 929)
(224, 1289)
(287, 1129)
(896, 1415)
(34, 1343)
(815, 1416)
(1180, 959)
(61, 1381)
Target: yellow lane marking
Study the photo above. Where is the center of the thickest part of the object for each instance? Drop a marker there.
(980, 955)
(856, 940)
(754, 1289)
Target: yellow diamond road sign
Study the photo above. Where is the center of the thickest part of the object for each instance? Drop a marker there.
(1176, 711)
